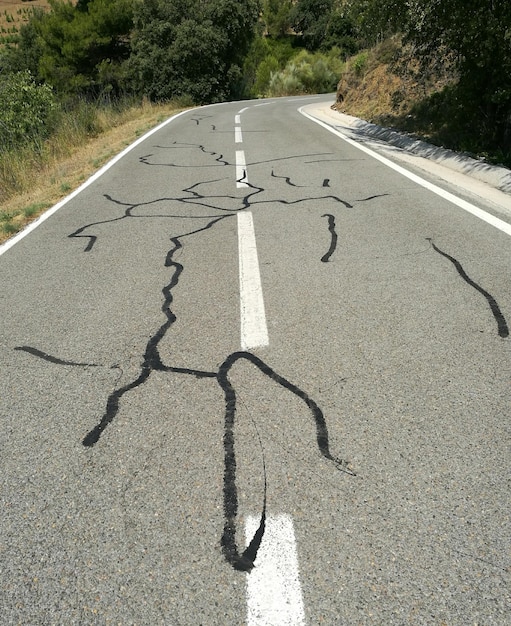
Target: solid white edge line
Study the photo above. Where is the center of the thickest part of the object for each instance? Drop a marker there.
(274, 594)
(462, 204)
(33, 225)
(254, 332)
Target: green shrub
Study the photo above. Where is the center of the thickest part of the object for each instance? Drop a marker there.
(285, 83)
(266, 69)
(306, 73)
(28, 111)
(266, 56)
(359, 63)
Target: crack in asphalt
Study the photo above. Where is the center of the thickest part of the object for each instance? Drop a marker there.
(333, 243)
(195, 196)
(502, 326)
(286, 178)
(55, 360)
(378, 195)
(219, 158)
(245, 561)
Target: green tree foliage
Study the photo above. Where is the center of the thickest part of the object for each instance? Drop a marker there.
(374, 20)
(306, 72)
(310, 19)
(27, 110)
(26, 54)
(85, 45)
(266, 56)
(80, 48)
(325, 24)
(277, 17)
(192, 47)
(341, 32)
(476, 35)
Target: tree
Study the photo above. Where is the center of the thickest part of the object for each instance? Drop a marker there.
(27, 53)
(83, 47)
(191, 47)
(310, 19)
(477, 36)
(377, 19)
(277, 17)
(341, 33)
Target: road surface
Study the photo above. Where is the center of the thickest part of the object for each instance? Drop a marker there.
(253, 375)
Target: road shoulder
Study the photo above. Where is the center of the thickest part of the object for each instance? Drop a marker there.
(492, 183)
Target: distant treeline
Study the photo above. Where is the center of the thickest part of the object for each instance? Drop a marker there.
(216, 50)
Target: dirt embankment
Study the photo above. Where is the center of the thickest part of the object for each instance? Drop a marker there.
(385, 85)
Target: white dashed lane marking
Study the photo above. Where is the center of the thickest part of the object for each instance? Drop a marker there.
(254, 332)
(274, 594)
(241, 170)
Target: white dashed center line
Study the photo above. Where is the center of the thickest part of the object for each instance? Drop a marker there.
(274, 595)
(241, 169)
(254, 333)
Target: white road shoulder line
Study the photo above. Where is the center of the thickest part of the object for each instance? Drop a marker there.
(463, 204)
(274, 595)
(254, 332)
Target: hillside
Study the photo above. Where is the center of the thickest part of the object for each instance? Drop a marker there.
(385, 85)
(14, 13)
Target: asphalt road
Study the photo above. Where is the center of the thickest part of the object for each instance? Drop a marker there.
(155, 457)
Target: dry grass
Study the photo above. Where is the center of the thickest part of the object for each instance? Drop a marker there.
(384, 84)
(369, 86)
(372, 94)
(53, 181)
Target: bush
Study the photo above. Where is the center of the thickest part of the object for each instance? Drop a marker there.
(266, 55)
(306, 73)
(359, 63)
(266, 69)
(28, 111)
(285, 83)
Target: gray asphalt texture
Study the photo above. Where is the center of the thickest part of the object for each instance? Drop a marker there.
(402, 355)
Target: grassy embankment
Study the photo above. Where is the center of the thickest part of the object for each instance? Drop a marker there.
(32, 181)
(385, 85)
(34, 178)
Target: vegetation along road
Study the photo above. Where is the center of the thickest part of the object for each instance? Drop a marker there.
(256, 373)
